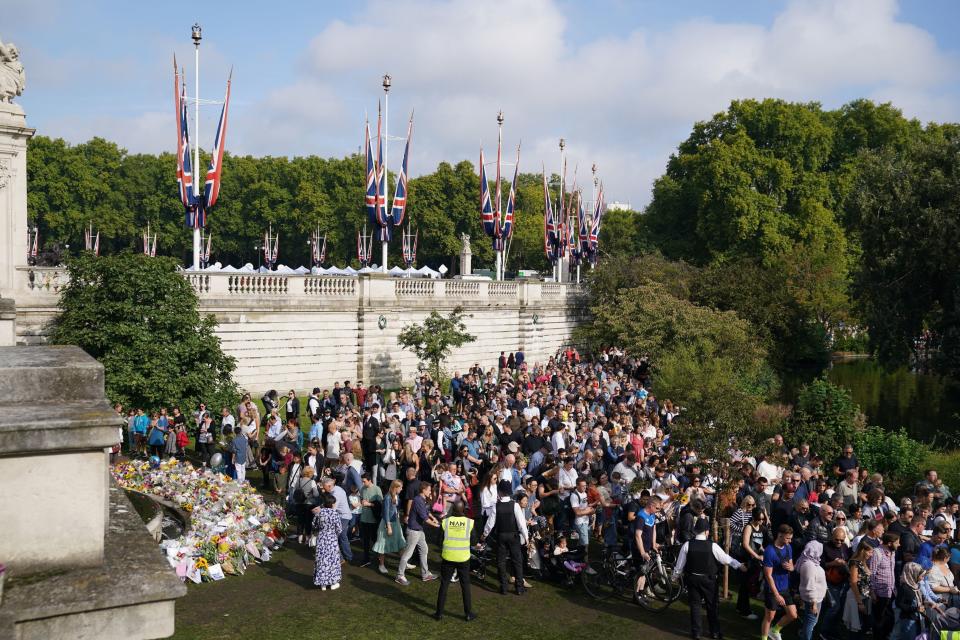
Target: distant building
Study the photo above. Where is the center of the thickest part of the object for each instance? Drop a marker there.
(619, 206)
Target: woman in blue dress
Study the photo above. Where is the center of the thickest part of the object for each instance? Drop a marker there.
(327, 571)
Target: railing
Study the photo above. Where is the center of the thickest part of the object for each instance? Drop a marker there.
(414, 288)
(329, 286)
(551, 289)
(200, 282)
(50, 281)
(257, 284)
(44, 279)
(502, 290)
(461, 289)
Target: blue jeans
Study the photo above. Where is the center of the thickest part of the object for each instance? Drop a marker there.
(344, 539)
(808, 620)
(832, 608)
(906, 628)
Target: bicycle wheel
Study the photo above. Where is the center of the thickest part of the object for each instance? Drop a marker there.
(598, 584)
(660, 591)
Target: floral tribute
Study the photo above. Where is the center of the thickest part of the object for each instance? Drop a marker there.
(231, 524)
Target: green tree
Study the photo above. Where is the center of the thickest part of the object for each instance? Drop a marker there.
(906, 206)
(826, 417)
(432, 340)
(139, 317)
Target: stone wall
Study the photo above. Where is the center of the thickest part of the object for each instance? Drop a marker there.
(297, 332)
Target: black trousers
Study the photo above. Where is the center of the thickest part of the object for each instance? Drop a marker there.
(509, 544)
(701, 587)
(368, 535)
(462, 569)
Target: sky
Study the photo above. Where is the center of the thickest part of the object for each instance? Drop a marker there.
(622, 81)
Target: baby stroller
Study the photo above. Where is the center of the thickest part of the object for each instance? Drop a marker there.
(481, 556)
(565, 568)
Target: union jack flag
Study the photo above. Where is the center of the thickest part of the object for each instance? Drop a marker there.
(506, 230)
(383, 220)
(212, 187)
(363, 247)
(486, 208)
(583, 230)
(549, 222)
(400, 195)
(370, 201)
(595, 226)
(410, 247)
(319, 252)
(184, 169)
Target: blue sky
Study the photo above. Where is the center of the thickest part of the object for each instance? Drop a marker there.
(622, 81)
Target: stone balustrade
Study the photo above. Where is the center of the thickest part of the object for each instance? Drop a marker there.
(51, 281)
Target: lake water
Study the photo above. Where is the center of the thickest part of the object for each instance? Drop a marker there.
(927, 406)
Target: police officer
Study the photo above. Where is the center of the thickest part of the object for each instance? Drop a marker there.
(698, 563)
(456, 558)
(511, 533)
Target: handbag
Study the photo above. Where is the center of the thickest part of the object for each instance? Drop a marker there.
(438, 505)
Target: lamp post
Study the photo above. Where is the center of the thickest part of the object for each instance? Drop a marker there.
(387, 81)
(195, 34)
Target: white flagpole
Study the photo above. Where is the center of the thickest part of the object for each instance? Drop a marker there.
(559, 217)
(386, 171)
(498, 275)
(196, 35)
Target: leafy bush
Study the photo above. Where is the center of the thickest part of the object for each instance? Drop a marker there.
(893, 453)
(947, 464)
(139, 317)
(826, 417)
(859, 343)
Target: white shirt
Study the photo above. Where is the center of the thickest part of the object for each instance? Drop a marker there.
(771, 472)
(517, 513)
(718, 553)
(627, 473)
(567, 480)
(557, 441)
(578, 500)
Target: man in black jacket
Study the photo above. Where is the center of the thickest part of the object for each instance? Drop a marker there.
(368, 443)
(698, 562)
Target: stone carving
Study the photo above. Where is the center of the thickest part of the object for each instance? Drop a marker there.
(5, 172)
(12, 77)
(465, 239)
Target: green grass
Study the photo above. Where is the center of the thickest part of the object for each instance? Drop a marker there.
(278, 600)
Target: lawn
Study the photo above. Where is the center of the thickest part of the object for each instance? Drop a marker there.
(278, 600)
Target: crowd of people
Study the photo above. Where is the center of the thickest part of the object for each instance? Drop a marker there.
(569, 457)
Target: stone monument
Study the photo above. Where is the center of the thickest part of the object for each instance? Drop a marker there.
(79, 561)
(466, 257)
(14, 134)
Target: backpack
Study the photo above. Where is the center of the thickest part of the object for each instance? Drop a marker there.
(299, 497)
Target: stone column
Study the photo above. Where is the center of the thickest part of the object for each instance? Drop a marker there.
(466, 256)
(14, 134)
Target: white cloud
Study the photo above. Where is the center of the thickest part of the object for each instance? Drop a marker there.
(623, 101)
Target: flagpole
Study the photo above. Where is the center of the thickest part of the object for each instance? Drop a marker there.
(593, 203)
(559, 216)
(196, 35)
(498, 275)
(386, 146)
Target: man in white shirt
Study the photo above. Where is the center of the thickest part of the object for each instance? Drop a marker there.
(511, 536)
(313, 404)
(582, 512)
(768, 470)
(698, 562)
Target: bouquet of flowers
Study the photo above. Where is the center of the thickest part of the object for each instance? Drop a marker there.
(231, 524)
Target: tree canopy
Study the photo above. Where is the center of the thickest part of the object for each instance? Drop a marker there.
(433, 339)
(139, 317)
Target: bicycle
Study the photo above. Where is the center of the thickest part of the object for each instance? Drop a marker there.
(612, 575)
(660, 590)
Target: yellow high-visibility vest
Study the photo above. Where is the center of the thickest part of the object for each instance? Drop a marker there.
(456, 539)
